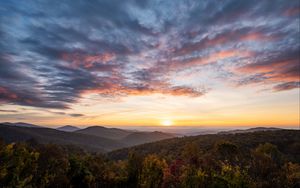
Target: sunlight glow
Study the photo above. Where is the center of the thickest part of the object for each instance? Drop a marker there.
(166, 123)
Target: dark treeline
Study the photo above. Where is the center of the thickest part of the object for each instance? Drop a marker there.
(225, 164)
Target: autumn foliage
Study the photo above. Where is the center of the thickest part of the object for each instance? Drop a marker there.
(225, 164)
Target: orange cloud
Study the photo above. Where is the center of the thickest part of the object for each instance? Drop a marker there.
(223, 38)
(282, 69)
(257, 37)
(275, 71)
(7, 95)
(210, 58)
(292, 11)
(266, 67)
(117, 90)
(78, 59)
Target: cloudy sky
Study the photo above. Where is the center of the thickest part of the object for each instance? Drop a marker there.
(150, 62)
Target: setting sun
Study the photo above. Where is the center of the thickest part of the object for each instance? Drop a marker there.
(166, 123)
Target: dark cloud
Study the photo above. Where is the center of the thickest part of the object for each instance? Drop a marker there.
(282, 67)
(52, 53)
(66, 114)
(286, 86)
(10, 111)
(228, 36)
(76, 115)
(28, 98)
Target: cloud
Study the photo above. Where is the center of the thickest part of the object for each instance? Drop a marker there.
(76, 115)
(281, 67)
(294, 11)
(227, 36)
(50, 57)
(67, 114)
(26, 98)
(286, 86)
(9, 111)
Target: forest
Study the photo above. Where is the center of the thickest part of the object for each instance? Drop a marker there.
(260, 159)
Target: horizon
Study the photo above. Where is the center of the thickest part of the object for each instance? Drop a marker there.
(165, 128)
(152, 63)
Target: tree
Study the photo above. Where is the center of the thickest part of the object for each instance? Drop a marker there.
(235, 176)
(191, 154)
(172, 174)
(18, 165)
(53, 166)
(134, 169)
(193, 177)
(292, 171)
(79, 174)
(226, 150)
(266, 167)
(153, 171)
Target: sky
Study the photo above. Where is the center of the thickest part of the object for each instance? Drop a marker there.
(150, 63)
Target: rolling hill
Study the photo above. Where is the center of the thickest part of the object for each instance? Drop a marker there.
(287, 141)
(127, 137)
(68, 128)
(20, 124)
(111, 133)
(250, 130)
(138, 138)
(96, 138)
(46, 135)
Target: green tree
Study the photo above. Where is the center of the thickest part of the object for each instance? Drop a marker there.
(18, 166)
(79, 174)
(193, 177)
(191, 154)
(153, 171)
(226, 151)
(235, 176)
(134, 169)
(53, 165)
(292, 171)
(265, 167)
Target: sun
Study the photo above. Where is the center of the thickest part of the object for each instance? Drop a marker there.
(166, 123)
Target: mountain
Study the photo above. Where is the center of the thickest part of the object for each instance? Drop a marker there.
(127, 137)
(145, 137)
(250, 130)
(287, 142)
(96, 138)
(111, 133)
(20, 124)
(68, 128)
(47, 135)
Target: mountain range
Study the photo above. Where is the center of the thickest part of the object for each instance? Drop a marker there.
(21, 124)
(110, 133)
(68, 128)
(287, 141)
(256, 129)
(95, 138)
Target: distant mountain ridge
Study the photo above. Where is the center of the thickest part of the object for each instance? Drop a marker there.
(128, 137)
(47, 135)
(111, 133)
(255, 129)
(175, 146)
(138, 138)
(21, 124)
(95, 138)
(68, 128)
